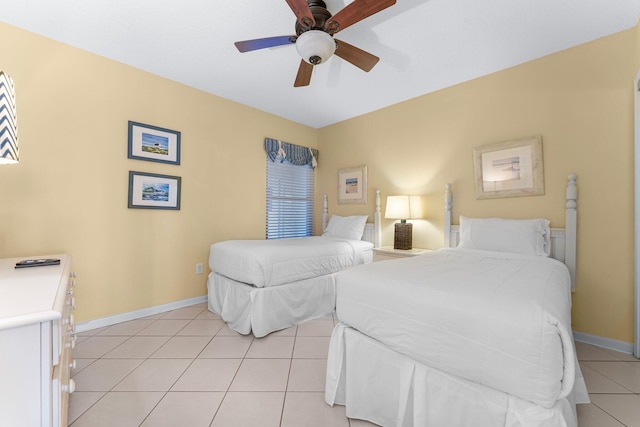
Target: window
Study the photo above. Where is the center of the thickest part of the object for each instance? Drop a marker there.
(289, 200)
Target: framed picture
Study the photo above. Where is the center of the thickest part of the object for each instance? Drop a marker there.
(352, 185)
(154, 191)
(153, 143)
(509, 169)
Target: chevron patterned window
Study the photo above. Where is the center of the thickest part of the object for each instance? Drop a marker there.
(8, 121)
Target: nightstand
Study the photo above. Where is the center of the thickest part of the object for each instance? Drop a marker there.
(387, 252)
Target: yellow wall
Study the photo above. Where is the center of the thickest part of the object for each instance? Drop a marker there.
(580, 101)
(69, 191)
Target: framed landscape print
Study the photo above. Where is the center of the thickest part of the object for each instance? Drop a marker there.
(153, 143)
(352, 185)
(154, 191)
(509, 169)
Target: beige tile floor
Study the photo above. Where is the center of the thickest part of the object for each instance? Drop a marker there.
(187, 368)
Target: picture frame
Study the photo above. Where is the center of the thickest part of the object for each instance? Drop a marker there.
(153, 143)
(154, 191)
(509, 169)
(352, 185)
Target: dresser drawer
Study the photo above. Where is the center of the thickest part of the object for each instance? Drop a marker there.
(386, 253)
(20, 364)
(384, 257)
(37, 335)
(61, 387)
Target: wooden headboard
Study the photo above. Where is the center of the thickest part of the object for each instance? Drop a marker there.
(372, 231)
(563, 240)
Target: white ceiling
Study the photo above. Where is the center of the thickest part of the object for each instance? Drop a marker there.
(423, 45)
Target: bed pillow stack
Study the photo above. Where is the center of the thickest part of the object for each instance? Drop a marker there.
(521, 236)
(346, 227)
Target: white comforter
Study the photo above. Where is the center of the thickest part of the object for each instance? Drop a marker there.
(263, 263)
(497, 319)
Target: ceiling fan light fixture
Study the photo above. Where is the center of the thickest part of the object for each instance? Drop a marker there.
(315, 46)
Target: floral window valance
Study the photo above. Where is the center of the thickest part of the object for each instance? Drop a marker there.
(294, 154)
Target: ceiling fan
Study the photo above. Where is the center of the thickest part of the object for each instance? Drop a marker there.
(315, 27)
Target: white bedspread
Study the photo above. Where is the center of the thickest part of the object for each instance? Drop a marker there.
(263, 263)
(387, 388)
(500, 320)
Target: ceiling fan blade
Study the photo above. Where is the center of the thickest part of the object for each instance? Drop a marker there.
(302, 11)
(255, 44)
(304, 74)
(358, 57)
(354, 12)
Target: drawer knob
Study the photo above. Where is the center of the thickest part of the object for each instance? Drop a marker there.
(71, 344)
(71, 387)
(73, 364)
(70, 321)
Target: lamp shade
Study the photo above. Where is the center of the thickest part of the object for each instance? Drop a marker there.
(403, 207)
(315, 46)
(8, 121)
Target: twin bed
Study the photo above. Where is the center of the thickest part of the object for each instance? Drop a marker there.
(261, 286)
(477, 334)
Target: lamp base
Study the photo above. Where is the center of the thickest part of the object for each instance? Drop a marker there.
(402, 236)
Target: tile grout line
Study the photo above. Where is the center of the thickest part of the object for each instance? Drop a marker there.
(286, 389)
(129, 337)
(226, 392)
(179, 376)
(607, 412)
(105, 393)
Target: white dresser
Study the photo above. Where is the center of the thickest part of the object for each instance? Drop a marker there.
(36, 337)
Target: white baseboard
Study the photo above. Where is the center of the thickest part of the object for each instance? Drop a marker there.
(132, 315)
(624, 347)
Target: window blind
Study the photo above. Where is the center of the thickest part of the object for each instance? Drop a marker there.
(289, 200)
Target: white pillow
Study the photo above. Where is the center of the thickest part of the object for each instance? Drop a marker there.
(346, 227)
(522, 236)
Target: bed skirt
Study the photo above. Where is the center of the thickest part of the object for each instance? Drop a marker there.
(380, 385)
(247, 309)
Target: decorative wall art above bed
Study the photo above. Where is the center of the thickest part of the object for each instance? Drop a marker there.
(509, 169)
(153, 143)
(352, 185)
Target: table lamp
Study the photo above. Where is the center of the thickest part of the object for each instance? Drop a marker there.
(403, 208)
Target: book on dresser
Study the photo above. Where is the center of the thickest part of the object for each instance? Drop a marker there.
(37, 334)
